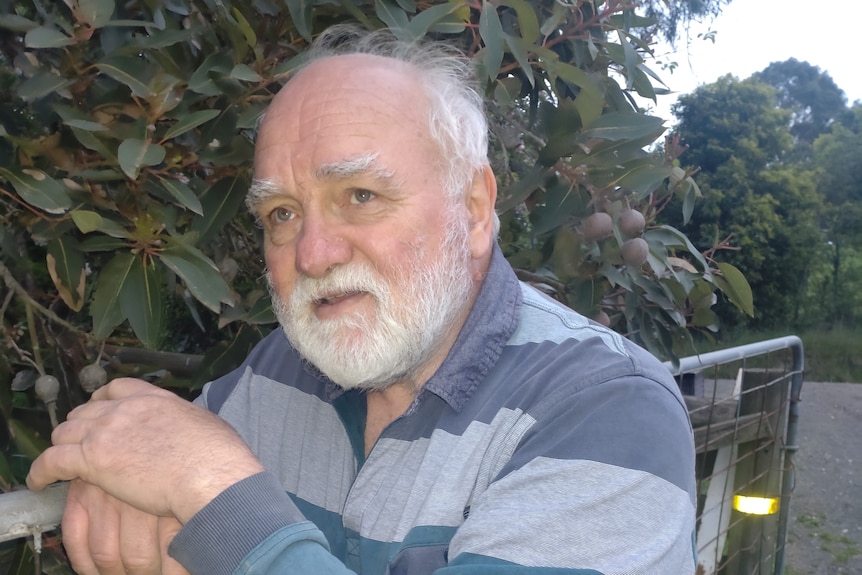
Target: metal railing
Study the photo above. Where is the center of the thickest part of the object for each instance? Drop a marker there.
(28, 514)
(744, 406)
(743, 403)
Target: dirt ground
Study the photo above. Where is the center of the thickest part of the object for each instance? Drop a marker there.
(825, 532)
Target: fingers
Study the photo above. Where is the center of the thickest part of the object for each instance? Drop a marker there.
(168, 528)
(140, 549)
(104, 536)
(76, 532)
(58, 463)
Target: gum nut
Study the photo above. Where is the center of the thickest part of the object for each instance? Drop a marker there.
(47, 388)
(92, 377)
(632, 223)
(635, 251)
(598, 226)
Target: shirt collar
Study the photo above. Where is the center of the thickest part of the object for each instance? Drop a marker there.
(490, 324)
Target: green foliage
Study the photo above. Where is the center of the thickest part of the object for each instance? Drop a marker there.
(812, 97)
(758, 203)
(128, 140)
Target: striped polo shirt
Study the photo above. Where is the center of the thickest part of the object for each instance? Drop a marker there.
(545, 443)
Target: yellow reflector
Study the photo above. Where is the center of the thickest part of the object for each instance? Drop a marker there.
(755, 505)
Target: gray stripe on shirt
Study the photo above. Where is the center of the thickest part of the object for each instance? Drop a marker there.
(548, 493)
(297, 436)
(430, 481)
(545, 319)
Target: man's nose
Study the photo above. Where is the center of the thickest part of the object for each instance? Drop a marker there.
(321, 245)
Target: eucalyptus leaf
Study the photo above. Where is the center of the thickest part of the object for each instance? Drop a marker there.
(128, 70)
(16, 23)
(134, 154)
(105, 307)
(249, 117)
(92, 142)
(39, 189)
(408, 6)
(623, 126)
(220, 203)
(190, 122)
(44, 37)
(199, 274)
(688, 204)
(41, 85)
(88, 221)
(392, 15)
(491, 31)
(518, 47)
(300, 14)
(528, 23)
(158, 39)
(85, 125)
(261, 312)
(426, 19)
(202, 80)
(182, 194)
(66, 267)
(142, 300)
(101, 244)
(244, 73)
(735, 287)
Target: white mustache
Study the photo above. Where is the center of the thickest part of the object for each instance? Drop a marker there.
(340, 282)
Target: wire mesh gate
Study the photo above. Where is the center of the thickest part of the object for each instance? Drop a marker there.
(743, 405)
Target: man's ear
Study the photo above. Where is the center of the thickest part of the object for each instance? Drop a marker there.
(481, 198)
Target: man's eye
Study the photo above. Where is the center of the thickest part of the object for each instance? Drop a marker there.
(281, 215)
(361, 196)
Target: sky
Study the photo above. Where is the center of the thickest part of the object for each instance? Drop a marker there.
(751, 34)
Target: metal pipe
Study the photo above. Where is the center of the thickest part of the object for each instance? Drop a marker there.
(712, 358)
(788, 483)
(28, 513)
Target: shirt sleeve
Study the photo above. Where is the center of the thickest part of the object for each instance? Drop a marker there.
(253, 527)
(602, 483)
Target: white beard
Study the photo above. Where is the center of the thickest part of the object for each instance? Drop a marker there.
(375, 350)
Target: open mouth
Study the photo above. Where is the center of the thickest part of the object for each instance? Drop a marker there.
(336, 298)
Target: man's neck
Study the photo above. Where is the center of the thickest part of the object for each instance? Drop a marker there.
(384, 407)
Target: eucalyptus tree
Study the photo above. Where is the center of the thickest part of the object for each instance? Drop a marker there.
(126, 139)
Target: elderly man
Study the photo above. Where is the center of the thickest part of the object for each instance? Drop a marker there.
(422, 411)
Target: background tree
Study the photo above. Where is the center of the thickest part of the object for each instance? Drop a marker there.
(838, 157)
(811, 96)
(766, 204)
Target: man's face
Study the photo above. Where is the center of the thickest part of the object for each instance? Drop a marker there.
(369, 263)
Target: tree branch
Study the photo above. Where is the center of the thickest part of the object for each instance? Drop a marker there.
(19, 290)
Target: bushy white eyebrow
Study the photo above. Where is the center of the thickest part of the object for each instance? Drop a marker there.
(363, 165)
(260, 191)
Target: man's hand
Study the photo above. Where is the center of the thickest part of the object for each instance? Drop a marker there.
(146, 447)
(104, 536)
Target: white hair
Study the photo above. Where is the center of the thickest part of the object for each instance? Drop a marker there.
(456, 116)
